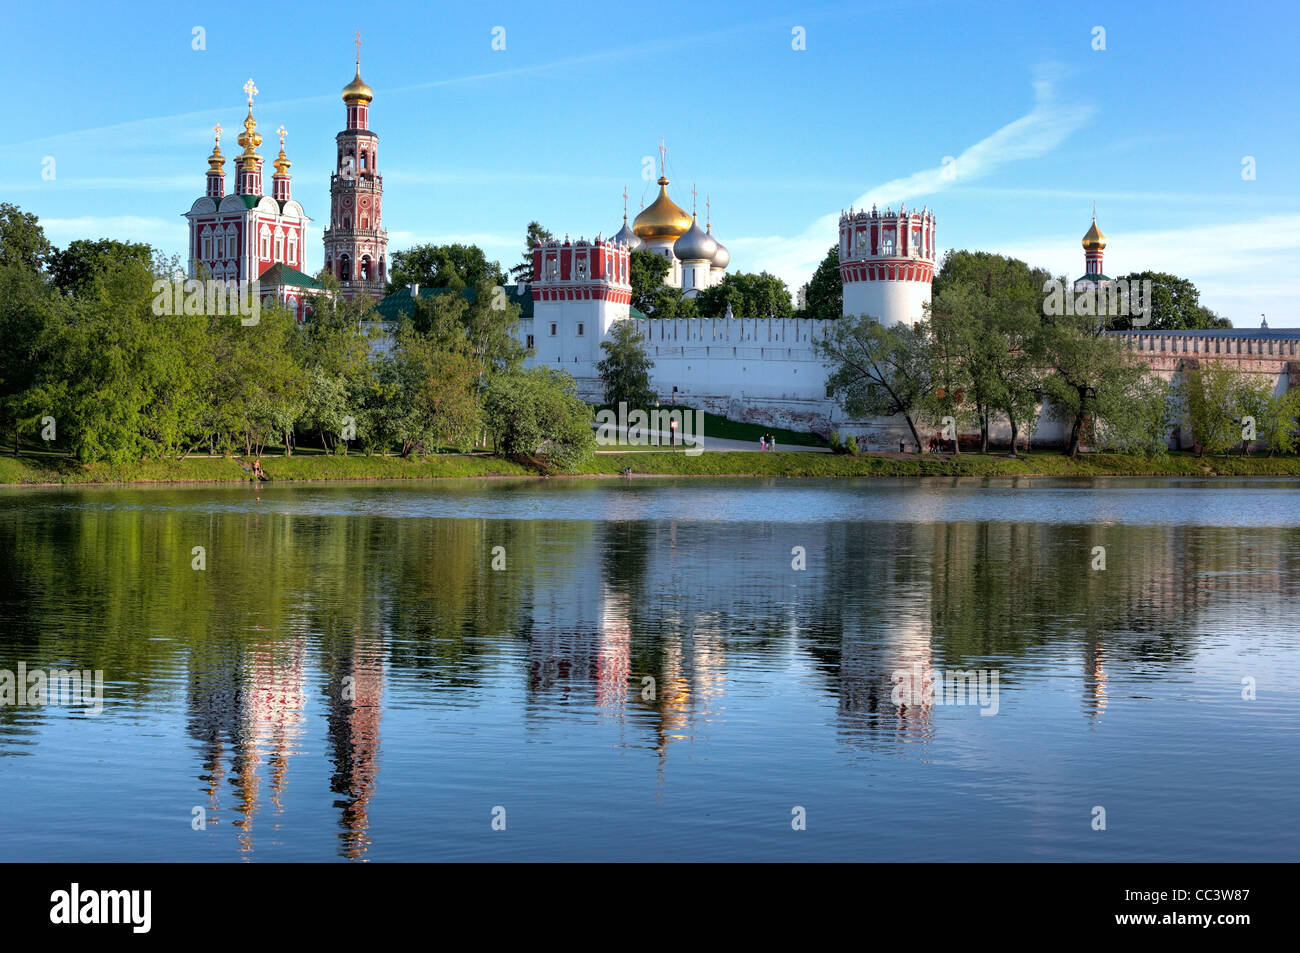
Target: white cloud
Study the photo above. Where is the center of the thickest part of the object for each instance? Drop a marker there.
(1036, 133)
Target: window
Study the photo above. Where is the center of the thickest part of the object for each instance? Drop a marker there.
(279, 246)
(552, 330)
(887, 246)
(582, 268)
(530, 341)
(579, 329)
(552, 271)
(207, 246)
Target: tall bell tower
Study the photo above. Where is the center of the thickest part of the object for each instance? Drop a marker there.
(356, 244)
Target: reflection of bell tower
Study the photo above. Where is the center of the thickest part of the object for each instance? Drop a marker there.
(356, 244)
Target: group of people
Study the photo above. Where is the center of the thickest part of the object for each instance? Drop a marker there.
(767, 442)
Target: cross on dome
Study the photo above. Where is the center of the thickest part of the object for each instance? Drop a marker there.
(251, 90)
(282, 132)
(217, 129)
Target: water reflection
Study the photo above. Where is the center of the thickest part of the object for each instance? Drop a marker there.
(376, 643)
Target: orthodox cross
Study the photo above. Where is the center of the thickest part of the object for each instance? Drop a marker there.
(663, 157)
(358, 42)
(694, 195)
(251, 90)
(625, 203)
(282, 132)
(217, 129)
(707, 209)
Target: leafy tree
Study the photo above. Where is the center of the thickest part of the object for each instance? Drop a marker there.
(646, 272)
(74, 268)
(750, 296)
(1215, 398)
(1279, 425)
(625, 369)
(1144, 423)
(1091, 377)
(877, 371)
(22, 240)
(1175, 304)
(443, 266)
(536, 415)
(522, 273)
(823, 295)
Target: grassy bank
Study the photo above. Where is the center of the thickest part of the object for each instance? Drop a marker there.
(60, 470)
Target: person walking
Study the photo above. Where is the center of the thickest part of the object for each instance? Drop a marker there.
(762, 442)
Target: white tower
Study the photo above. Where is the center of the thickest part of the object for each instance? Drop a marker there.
(887, 263)
(579, 290)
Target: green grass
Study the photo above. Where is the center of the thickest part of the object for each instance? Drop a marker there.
(61, 470)
(720, 428)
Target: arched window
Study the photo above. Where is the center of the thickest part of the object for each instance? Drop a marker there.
(365, 267)
(345, 268)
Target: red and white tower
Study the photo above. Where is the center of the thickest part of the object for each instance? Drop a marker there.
(579, 290)
(887, 263)
(245, 235)
(356, 244)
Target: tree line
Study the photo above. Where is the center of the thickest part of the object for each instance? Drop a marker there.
(988, 351)
(87, 367)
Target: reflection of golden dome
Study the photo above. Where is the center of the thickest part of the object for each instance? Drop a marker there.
(357, 91)
(662, 219)
(1094, 239)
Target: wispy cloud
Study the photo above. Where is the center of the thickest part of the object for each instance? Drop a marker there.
(1048, 124)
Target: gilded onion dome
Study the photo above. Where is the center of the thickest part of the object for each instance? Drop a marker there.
(357, 91)
(662, 220)
(217, 161)
(250, 139)
(695, 245)
(1094, 240)
(721, 257)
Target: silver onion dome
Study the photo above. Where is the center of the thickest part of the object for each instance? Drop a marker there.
(695, 245)
(721, 257)
(628, 237)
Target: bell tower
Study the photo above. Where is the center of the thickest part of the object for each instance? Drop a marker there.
(356, 244)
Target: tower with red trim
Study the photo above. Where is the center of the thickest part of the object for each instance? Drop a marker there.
(1094, 244)
(579, 290)
(247, 235)
(356, 243)
(887, 263)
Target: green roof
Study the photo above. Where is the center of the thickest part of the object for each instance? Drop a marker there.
(1094, 278)
(400, 304)
(281, 274)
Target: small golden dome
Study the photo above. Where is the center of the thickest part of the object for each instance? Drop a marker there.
(1094, 240)
(662, 219)
(216, 161)
(357, 91)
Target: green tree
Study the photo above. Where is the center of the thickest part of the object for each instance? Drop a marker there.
(823, 295)
(536, 415)
(75, 268)
(646, 272)
(625, 369)
(878, 371)
(522, 273)
(1091, 378)
(750, 296)
(1175, 304)
(443, 266)
(22, 240)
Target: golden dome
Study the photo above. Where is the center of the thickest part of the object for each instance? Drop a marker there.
(1094, 240)
(250, 139)
(282, 162)
(357, 91)
(662, 219)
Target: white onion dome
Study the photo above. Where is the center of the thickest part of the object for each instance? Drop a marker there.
(695, 245)
(721, 257)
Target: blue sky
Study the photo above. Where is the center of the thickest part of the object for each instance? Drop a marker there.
(475, 142)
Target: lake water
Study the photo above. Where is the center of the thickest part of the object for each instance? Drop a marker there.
(649, 676)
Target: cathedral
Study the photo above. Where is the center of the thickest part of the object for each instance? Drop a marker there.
(247, 235)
